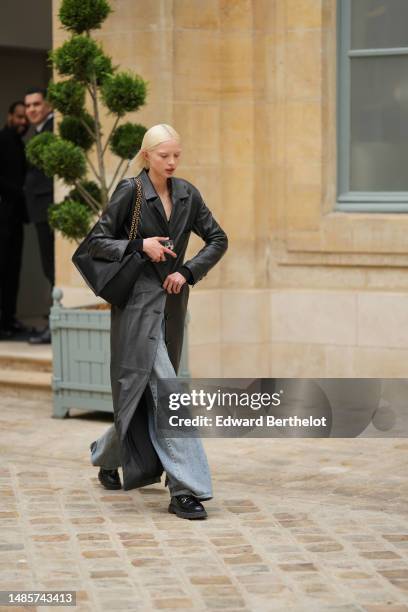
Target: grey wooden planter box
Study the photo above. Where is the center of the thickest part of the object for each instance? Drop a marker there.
(81, 356)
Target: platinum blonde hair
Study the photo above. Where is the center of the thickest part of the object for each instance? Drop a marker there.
(153, 137)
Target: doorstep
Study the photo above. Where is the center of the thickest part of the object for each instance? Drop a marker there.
(25, 368)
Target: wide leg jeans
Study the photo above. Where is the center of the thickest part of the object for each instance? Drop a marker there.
(183, 459)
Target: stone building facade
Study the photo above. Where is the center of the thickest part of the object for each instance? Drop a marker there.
(304, 290)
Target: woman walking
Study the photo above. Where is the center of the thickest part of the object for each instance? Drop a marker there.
(147, 333)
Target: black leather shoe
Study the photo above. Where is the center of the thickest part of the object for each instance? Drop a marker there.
(110, 479)
(43, 337)
(6, 334)
(14, 327)
(187, 506)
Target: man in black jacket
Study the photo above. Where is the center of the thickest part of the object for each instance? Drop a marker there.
(12, 215)
(40, 193)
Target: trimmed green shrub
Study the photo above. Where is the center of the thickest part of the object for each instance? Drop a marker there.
(81, 57)
(67, 97)
(63, 159)
(94, 84)
(91, 187)
(123, 92)
(37, 146)
(127, 139)
(71, 218)
(84, 15)
(72, 128)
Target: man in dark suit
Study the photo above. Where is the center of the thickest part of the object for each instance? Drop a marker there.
(40, 193)
(12, 215)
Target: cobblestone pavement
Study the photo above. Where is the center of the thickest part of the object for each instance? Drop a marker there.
(311, 524)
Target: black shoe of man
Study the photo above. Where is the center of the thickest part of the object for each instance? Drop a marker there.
(187, 506)
(14, 326)
(6, 334)
(110, 479)
(43, 337)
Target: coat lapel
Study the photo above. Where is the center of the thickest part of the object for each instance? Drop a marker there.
(179, 197)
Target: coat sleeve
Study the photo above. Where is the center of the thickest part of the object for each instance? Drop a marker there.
(216, 241)
(104, 241)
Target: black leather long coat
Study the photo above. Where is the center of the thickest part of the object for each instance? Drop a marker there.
(135, 328)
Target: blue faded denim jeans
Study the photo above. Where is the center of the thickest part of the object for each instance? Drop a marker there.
(183, 459)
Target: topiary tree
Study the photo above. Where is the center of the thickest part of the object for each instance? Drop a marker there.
(89, 80)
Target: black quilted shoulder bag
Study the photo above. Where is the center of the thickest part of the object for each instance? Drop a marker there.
(112, 280)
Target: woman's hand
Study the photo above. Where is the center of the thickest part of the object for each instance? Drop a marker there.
(155, 250)
(174, 282)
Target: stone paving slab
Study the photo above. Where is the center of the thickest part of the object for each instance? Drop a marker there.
(295, 524)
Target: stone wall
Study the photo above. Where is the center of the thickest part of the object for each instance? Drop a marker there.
(251, 87)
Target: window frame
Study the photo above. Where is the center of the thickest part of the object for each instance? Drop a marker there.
(347, 200)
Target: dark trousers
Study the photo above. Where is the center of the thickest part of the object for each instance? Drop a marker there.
(46, 243)
(11, 248)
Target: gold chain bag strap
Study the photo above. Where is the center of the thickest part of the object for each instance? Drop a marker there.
(136, 210)
(112, 280)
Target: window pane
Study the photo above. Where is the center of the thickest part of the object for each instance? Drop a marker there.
(379, 23)
(379, 124)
